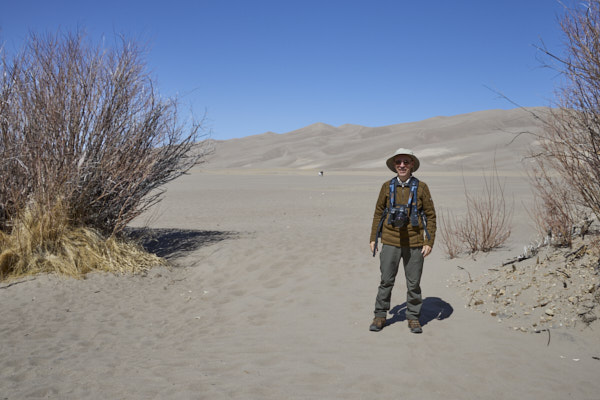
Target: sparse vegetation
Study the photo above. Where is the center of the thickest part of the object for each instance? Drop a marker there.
(555, 212)
(484, 226)
(566, 170)
(447, 231)
(560, 286)
(86, 145)
(43, 240)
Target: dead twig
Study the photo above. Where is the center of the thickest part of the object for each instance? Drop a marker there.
(459, 267)
(546, 330)
(16, 283)
(577, 253)
(472, 296)
(542, 304)
(515, 260)
(564, 273)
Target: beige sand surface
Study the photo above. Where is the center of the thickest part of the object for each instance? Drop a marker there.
(271, 296)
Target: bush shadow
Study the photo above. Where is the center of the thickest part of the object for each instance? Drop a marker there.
(174, 243)
(432, 308)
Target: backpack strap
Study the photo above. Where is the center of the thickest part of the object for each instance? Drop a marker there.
(414, 211)
(393, 184)
(412, 202)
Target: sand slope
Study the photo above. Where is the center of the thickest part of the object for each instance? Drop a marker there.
(467, 140)
(271, 296)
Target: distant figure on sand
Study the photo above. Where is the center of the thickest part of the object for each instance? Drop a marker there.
(404, 218)
(320, 173)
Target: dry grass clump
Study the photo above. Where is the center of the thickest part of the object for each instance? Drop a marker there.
(44, 241)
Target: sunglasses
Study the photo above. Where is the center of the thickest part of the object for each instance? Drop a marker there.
(400, 162)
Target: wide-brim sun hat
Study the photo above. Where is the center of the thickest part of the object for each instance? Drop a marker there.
(392, 165)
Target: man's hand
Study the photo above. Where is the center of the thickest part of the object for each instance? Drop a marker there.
(373, 249)
(426, 250)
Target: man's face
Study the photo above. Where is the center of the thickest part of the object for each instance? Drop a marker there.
(404, 165)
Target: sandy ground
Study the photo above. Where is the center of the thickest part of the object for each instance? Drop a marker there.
(270, 297)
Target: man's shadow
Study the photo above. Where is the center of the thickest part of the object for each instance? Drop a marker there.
(432, 308)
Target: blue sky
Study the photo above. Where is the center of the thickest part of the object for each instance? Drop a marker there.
(263, 65)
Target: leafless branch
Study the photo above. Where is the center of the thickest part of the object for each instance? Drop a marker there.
(83, 125)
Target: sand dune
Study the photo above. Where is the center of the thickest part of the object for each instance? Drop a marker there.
(463, 141)
(272, 287)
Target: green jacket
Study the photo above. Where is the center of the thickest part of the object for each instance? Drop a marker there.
(408, 236)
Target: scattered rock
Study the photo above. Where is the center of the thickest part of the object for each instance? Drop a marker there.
(553, 290)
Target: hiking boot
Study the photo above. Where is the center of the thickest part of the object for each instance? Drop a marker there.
(377, 324)
(415, 326)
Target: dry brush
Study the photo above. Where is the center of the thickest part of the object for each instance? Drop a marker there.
(86, 142)
(566, 167)
(485, 224)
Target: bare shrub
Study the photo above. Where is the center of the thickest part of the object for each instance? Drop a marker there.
(566, 172)
(83, 125)
(554, 211)
(448, 235)
(86, 145)
(486, 223)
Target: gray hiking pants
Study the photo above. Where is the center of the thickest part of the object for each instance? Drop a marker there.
(412, 259)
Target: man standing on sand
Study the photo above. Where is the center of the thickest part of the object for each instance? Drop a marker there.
(407, 229)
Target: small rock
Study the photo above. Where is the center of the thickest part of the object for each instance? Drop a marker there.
(589, 318)
(543, 302)
(591, 289)
(549, 312)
